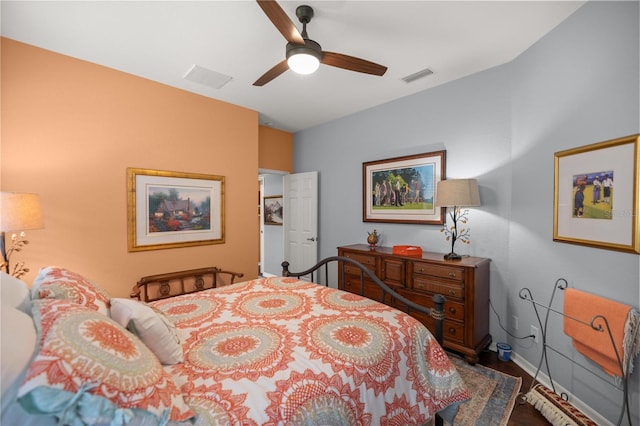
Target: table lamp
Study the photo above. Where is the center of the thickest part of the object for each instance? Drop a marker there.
(453, 194)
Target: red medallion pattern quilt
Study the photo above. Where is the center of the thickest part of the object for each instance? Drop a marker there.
(276, 351)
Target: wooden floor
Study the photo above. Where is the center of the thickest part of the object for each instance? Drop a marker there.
(523, 414)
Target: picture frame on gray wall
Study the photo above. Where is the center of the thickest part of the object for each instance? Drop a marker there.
(403, 189)
(596, 201)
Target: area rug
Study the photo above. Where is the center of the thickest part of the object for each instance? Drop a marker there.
(493, 395)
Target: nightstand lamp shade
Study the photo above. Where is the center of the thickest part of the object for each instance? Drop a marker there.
(456, 193)
(20, 212)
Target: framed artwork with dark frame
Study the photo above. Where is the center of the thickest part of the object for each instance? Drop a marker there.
(273, 206)
(403, 189)
(596, 199)
(172, 209)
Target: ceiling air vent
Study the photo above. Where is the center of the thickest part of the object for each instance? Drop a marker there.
(416, 75)
(206, 77)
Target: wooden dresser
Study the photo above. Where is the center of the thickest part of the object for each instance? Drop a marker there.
(464, 283)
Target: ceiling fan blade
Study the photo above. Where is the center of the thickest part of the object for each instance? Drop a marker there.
(282, 22)
(275, 71)
(352, 63)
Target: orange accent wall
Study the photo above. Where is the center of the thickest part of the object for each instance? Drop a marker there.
(71, 128)
(276, 149)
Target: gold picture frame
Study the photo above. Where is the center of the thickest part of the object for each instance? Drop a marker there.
(596, 199)
(173, 209)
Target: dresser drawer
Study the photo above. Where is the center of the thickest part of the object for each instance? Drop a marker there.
(448, 272)
(367, 260)
(370, 289)
(452, 310)
(354, 270)
(448, 289)
(452, 331)
(392, 272)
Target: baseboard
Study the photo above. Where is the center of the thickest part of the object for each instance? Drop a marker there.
(544, 379)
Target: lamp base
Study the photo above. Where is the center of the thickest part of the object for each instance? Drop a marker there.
(5, 262)
(452, 256)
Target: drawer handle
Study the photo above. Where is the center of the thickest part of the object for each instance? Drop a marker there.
(420, 285)
(452, 292)
(452, 330)
(452, 310)
(452, 274)
(421, 269)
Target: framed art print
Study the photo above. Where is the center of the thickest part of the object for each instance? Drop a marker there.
(403, 189)
(596, 195)
(172, 209)
(273, 206)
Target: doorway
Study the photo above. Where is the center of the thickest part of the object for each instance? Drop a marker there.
(271, 236)
(261, 220)
(296, 238)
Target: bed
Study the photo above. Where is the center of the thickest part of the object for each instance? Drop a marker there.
(268, 351)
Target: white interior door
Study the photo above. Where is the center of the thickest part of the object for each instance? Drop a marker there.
(261, 218)
(300, 217)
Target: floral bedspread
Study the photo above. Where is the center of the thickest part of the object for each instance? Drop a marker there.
(277, 351)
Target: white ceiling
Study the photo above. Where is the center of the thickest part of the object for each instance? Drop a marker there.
(162, 40)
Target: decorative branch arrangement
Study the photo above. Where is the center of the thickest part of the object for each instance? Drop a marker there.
(17, 242)
(453, 233)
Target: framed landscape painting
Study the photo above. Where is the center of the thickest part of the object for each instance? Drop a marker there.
(596, 200)
(273, 206)
(403, 189)
(172, 209)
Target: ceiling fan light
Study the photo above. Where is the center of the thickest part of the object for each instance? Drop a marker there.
(303, 63)
(304, 59)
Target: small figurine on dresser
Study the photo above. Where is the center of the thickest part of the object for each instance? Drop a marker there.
(373, 239)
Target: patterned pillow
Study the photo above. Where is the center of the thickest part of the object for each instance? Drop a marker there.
(152, 327)
(53, 282)
(90, 370)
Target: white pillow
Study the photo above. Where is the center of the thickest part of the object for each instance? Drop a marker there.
(152, 327)
(15, 293)
(17, 345)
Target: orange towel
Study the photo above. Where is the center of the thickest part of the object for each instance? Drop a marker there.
(593, 344)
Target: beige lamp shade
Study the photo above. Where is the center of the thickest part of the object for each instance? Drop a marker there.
(457, 193)
(20, 212)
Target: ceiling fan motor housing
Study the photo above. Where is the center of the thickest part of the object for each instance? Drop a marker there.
(304, 64)
(309, 48)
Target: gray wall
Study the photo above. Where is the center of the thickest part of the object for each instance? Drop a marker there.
(578, 85)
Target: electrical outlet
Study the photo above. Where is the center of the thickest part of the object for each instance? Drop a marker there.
(534, 333)
(514, 323)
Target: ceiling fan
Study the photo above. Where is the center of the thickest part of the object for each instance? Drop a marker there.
(303, 52)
